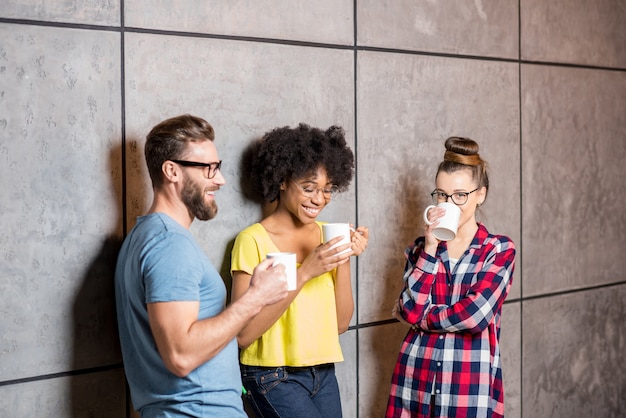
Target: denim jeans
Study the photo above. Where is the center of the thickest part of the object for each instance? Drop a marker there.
(292, 392)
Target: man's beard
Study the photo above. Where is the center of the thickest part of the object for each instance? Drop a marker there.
(194, 198)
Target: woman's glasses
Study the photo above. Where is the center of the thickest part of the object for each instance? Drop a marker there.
(458, 198)
(311, 192)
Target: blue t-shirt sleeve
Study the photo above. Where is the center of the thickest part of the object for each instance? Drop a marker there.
(172, 270)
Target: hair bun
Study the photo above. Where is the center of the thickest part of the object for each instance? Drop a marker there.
(462, 150)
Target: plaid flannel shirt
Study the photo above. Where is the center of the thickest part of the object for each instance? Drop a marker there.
(453, 343)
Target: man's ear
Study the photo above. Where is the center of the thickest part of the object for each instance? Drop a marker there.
(171, 171)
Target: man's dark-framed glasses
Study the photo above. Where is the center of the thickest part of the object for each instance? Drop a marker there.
(458, 198)
(210, 168)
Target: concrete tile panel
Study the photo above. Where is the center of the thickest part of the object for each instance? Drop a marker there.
(379, 347)
(326, 21)
(243, 90)
(574, 31)
(407, 106)
(572, 177)
(347, 373)
(61, 216)
(573, 354)
(485, 28)
(96, 395)
(100, 12)
(511, 355)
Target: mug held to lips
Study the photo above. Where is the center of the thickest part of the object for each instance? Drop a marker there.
(448, 224)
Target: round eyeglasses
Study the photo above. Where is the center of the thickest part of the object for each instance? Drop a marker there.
(210, 169)
(310, 192)
(458, 198)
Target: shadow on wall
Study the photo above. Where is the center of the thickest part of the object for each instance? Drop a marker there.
(245, 179)
(96, 350)
(250, 193)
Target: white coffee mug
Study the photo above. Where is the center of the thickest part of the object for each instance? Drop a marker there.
(448, 224)
(289, 261)
(332, 230)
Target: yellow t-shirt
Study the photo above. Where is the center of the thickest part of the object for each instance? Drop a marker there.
(306, 334)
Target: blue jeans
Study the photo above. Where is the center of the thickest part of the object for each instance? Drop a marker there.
(292, 392)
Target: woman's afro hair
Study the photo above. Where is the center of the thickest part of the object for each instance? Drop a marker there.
(286, 153)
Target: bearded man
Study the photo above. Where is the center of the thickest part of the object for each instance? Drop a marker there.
(177, 337)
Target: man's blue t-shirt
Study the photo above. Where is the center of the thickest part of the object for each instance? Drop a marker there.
(160, 261)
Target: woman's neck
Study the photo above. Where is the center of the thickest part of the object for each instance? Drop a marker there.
(463, 239)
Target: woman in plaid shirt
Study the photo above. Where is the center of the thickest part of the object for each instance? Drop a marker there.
(449, 362)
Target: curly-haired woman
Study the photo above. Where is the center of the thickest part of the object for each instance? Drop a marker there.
(288, 351)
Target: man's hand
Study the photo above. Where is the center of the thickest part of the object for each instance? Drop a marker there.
(268, 283)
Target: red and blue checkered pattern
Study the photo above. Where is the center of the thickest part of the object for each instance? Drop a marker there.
(453, 344)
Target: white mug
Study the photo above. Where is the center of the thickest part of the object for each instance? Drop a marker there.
(448, 224)
(332, 230)
(289, 261)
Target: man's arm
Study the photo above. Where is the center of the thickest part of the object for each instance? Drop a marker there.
(184, 342)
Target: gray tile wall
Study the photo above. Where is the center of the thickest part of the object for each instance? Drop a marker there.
(541, 86)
